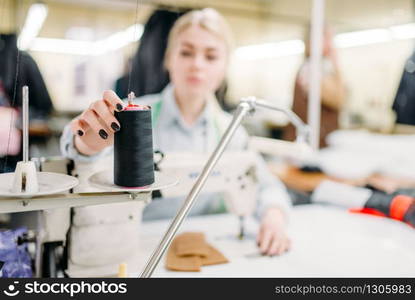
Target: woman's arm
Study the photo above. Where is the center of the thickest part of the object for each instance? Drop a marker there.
(273, 206)
(333, 91)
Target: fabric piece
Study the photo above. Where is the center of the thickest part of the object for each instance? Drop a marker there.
(189, 252)
(192, 243)
(214, 257)
(184, 264)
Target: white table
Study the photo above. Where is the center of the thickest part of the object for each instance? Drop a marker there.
(327, 242)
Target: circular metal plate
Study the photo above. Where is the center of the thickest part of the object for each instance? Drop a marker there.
(49, 183)
(105, 180)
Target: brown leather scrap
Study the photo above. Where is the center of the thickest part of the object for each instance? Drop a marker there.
(189, 251)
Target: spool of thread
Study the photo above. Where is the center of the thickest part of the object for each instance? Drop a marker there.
(133, 147)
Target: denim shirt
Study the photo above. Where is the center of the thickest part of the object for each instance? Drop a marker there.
(172, 134)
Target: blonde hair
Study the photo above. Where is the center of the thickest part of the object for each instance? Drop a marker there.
(208, 19)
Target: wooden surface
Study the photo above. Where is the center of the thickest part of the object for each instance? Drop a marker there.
(403, 129)
(39, 129)
(307, 181)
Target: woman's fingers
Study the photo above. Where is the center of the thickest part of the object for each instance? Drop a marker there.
(282, 247)
(95, 127)
(91, 118)
(99, 118)
(259, 236)
(273, 242)
(79, 127)
(275, 246)
(111, 98)
(98, 121)
(265, 241)
(105, 115)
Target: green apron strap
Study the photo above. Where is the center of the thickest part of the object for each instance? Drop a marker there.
(217, 129)
(155, 113)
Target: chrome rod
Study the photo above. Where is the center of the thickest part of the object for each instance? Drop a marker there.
(152, 263)
(25, 123)
(246, 106)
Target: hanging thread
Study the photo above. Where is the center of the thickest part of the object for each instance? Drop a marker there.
(134, 34)
(133, 143)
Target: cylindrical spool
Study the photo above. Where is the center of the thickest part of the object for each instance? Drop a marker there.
(133, 148)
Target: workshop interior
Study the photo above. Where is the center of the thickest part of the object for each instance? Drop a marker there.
(188, 138)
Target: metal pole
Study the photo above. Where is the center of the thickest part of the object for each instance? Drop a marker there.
(25, 123)
(302, 129)
(246, 106)
(314, 93)
(241, 112)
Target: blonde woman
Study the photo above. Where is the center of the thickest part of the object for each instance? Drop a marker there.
(186, 118)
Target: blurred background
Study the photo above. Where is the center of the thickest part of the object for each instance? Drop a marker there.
(69, 51)
(82, 47)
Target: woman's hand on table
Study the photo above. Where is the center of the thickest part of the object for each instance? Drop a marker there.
(94, 129)
(272, 238)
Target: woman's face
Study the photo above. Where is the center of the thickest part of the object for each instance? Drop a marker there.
(197, 62)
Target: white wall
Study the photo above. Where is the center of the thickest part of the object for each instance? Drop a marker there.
(59, 72)
(370, 72)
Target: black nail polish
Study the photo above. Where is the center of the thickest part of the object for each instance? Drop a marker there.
(103, 134)
(119, 107)
(115, 126)
(80, 133)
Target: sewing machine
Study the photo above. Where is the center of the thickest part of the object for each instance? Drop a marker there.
(96, 247)
(234, 177)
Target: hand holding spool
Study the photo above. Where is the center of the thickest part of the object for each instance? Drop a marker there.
(94, 129)
(133, 146)
(109, 122)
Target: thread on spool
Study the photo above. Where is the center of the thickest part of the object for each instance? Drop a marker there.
(133, 147)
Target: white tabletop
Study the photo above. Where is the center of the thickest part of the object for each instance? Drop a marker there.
(327, 242)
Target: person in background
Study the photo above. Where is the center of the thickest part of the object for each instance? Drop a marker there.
(17, 69)
(148, 75)
(404, 103)
(332, 90)
(186, 117)
(10, 140)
